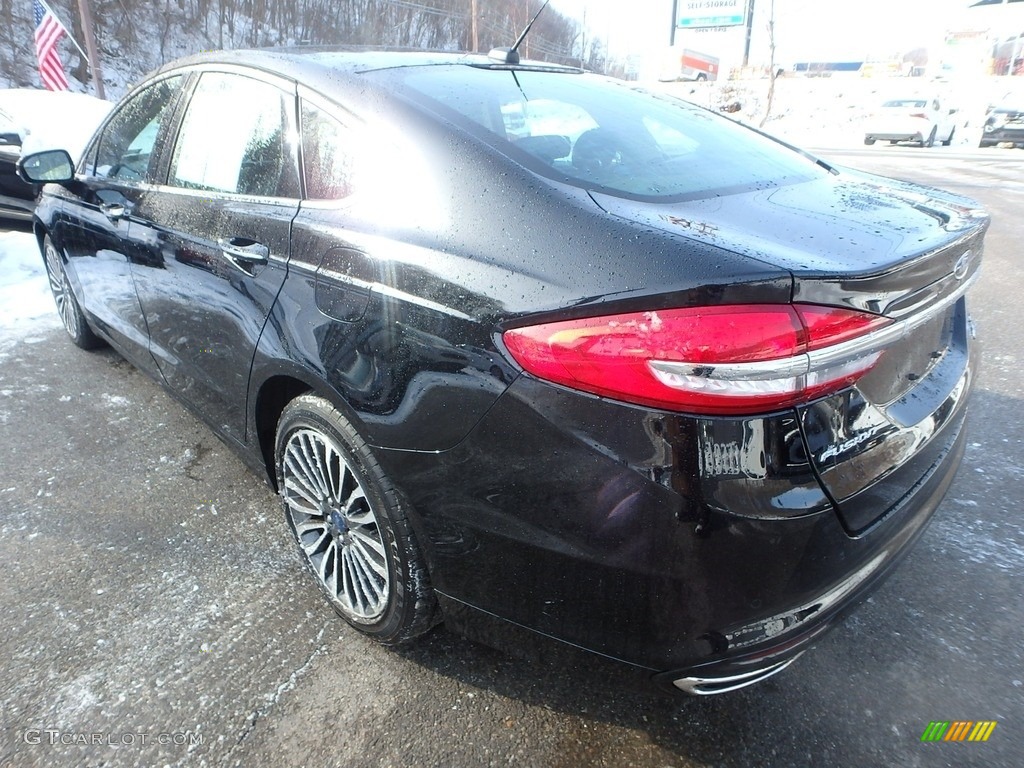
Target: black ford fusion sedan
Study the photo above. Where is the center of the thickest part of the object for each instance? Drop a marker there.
(531, 351)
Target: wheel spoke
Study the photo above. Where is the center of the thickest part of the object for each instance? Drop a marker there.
(371, 541)
(375, 563)
(316, 546)
(303, 472)
(335, 471)
(55, 284)
(346, 581)
(330, 554)
(300, 453)
(354, 593)
(355, 496)
(368, 582)
(300, 484)
(317, 465)
(312, 524)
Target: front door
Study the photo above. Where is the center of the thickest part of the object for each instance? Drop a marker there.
(94, 230)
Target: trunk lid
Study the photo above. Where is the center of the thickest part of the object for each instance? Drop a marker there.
(889, 248)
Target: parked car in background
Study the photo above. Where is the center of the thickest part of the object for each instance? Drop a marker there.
(530, 351)
(920, 120)
(36, 120)
(1004, 124)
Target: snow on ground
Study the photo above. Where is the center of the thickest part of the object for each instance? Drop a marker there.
(26, 304)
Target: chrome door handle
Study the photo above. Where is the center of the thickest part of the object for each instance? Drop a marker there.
(245, 250)
(114, 211)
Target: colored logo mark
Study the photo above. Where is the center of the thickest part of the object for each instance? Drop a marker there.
(958, 730)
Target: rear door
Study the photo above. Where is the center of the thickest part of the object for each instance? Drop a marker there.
(218, 238)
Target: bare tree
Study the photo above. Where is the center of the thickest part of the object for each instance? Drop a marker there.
(772, 74)
(135, 36)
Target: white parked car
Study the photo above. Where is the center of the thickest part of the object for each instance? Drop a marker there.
(922, 120)
(34, 121)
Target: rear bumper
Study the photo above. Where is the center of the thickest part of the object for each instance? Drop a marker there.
(903, 136)
(685, 547)
(992, 136)
(907, 526)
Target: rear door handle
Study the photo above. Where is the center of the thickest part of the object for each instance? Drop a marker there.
(114, 211)
(244, 250)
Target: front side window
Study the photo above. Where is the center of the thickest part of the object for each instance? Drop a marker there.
(238, 137)
(126, 146)
(605, 136)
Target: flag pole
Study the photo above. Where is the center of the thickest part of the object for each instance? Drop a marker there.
(90, 44)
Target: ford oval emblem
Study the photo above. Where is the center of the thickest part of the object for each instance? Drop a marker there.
(960, 268)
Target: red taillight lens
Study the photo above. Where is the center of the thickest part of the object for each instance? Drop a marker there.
(715, 360)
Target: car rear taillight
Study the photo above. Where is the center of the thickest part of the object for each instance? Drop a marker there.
(734, 359)
(921, 115)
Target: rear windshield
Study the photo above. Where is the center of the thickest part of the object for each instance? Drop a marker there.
(605, 136)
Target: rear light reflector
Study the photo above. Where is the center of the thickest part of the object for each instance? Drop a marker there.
(733, 359)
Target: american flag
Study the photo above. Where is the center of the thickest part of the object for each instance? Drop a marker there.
(49, 31)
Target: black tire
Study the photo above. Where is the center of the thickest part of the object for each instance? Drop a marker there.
(68, 308)
(350, 523)
(949, 139)
(930, 141)
(893, 142)
(869, 141)
(701, 78)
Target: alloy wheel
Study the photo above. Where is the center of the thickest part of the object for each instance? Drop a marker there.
(61, 290)
(335, 525)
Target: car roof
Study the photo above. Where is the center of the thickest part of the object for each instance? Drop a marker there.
(324, 65)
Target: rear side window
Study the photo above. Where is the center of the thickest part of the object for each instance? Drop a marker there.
(238, 137)
(126, 147)
(605, 136)
(326, 155)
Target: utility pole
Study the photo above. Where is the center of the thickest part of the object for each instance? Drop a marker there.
(750, 30)
(583, 43)
(90, 47)
(473, 25)
(675, 21)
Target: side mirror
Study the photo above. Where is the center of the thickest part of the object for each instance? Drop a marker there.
(52, 166)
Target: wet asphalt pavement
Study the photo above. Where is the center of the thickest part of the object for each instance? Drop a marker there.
(154, 612)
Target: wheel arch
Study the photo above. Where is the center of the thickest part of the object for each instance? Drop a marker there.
(270, 392)
(40, 233)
